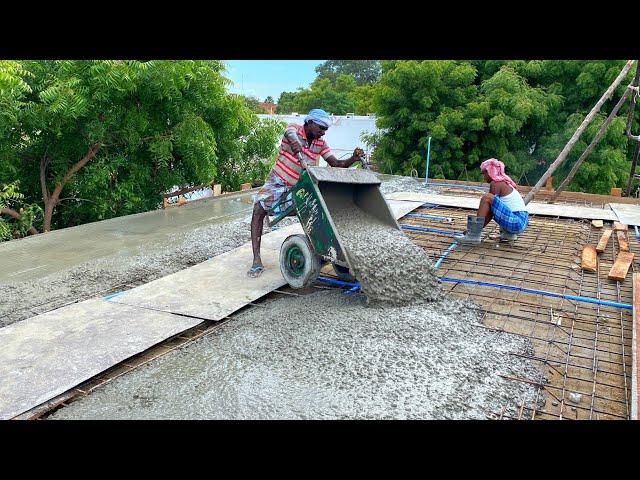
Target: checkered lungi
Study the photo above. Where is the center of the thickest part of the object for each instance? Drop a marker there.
(512, 222)
(271, 192)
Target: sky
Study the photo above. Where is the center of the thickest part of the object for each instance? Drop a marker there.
(261, 78)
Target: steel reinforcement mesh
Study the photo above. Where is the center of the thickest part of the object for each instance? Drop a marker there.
(583, 349)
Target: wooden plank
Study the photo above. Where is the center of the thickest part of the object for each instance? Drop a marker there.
(46, 355)
(622, 241)
(620, 226)
(589, 258)
(604, 239)
(621, 267)
(597, 223)
(635, 360)
(616, 192)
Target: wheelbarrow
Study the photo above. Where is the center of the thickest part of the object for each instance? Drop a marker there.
(313, 196)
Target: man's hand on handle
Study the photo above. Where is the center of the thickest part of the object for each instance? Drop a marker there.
(359, 155)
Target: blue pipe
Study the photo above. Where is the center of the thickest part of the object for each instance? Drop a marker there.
(356, 286)
(426, 172)
(338, 283)
(437, 218)
(539, 292)
(113, 295)
(448, 233)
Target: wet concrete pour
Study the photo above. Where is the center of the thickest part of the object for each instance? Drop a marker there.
(326, 356)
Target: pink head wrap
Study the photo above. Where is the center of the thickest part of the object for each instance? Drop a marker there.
(495, 169)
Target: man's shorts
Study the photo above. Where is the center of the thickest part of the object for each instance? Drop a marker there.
(512, 222)
(271, 192)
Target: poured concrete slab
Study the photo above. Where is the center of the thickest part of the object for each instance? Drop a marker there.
(40, 255)
(627, 214)
(552, 210)
(46, 355)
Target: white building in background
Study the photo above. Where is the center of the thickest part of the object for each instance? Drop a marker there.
(344, 134)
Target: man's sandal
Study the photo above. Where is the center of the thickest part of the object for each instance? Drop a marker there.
(255, 271)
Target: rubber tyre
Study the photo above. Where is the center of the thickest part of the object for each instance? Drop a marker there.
(299, 264)
(343, 273)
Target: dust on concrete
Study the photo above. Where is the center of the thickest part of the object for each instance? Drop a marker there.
(153, 260)
(390, 267)
(328, 356)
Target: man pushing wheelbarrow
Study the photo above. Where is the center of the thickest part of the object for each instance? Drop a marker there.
(301, 146)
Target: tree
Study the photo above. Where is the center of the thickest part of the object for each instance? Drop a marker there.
(362, 71)
(287, 102)
(17, 221)
(522, 112)
(269, 99)
(255, 155)
(98, 139)
(252, 103)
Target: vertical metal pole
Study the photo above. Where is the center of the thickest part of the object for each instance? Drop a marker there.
(426, 172)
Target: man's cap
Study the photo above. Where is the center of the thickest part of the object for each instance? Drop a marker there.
(319, 116)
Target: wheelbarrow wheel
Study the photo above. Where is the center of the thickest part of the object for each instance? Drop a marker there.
(343, 273)
(299, 264)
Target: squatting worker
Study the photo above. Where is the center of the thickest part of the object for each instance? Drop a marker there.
(503, 203)
(286, 171)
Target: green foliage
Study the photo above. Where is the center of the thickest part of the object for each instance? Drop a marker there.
(10, 197)
(362, 71)
(338, 95)
(287, 102)
(158, 125)
(252, 103)
(522, 112)
(256, 155)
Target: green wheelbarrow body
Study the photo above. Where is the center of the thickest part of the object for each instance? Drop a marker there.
(318, 190)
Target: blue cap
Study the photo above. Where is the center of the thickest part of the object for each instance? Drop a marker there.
(319, 116)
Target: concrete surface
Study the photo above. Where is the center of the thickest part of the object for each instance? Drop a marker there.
(326, 356)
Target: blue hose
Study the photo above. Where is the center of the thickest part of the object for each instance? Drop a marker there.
(447, 252)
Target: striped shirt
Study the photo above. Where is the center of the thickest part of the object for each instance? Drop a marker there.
(287, 167)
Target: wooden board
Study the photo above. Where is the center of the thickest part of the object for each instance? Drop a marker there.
(617, 226)
(597, 223)
(635, 352)
(622, 241)
(46, 355)
(589, 258)
(604, 239)
(535, 208)
(621, 267)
